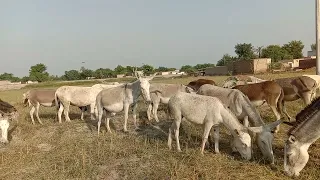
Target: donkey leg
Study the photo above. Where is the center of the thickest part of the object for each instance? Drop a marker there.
(126, 111)
(172, 127)
(207, 128)
(155, 110)
(107, 120)
(216, 130)
(37, 113)
(66, 111)
(31, 113)
(149, 111)
(134, 114)
(61, 108)
(278, 116)
(177, 126)
(92, 109)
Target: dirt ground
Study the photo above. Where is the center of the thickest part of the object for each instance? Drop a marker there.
(74, 151)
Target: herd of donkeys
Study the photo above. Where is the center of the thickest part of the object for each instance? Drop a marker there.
(203, 102)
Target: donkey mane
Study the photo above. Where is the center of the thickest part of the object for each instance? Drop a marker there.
(306, 113)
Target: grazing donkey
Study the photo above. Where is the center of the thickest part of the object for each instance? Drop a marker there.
(119, 99)
(242, 108)
(7, 112)
(317, 79)
(267, 91)
(305, 132)
(208, 111)
(161, 93)
(37, 97)
(196, 84)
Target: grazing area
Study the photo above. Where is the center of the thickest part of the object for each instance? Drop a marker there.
(73, 150)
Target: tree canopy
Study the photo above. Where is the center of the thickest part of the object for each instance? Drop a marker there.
(38, 73)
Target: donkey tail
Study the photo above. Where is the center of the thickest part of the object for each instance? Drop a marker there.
(280, 102)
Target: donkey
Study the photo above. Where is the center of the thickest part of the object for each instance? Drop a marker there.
(37, 97)
(76, 96)
(117, 99)
(301, 87)
(304, 133)
(242, 108)
(317, 79)
(106, 86)
(7, 112)
(196, 84)
(161, 93)
(267, 91)
(208, 111)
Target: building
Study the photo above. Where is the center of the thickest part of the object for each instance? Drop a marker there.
(307, 63)
(290, 63)
(253, 66)
(213, 71)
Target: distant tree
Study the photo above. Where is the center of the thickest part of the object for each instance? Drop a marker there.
(245, 51)
(25, 79)
(172, 69)
(259, 51)
(6, 76)
(147, 69)
(202, 66)
(275, 52)
(226, 59)
(104, 73)
(72, 75)
(86, 73)
(313, 47)
(188, 69)
(162, 69)
(294, 48)
(120, 70)
(38, 73)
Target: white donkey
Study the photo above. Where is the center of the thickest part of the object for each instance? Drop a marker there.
(208, 111)
(161, 93)
(243, 109)
(117, 99)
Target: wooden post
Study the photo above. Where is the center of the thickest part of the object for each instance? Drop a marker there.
(317, 37)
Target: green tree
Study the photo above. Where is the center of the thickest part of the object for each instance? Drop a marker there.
(86, 73)
(103, 73)
(313, 47)
(225, 60)
(147, 69)
(120, 70)
(72, 75)
(202, 66)
(162, 69)
(294, 48)
(25, 79)
(38, 73)
(245, 51)
(188, 69)
(6, 76)
(275, 52)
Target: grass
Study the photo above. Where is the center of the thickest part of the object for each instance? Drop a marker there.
(74, 151)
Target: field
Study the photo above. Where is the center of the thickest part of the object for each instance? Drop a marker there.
(74, 151)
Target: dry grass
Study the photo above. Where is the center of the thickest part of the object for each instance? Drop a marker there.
(73, 150)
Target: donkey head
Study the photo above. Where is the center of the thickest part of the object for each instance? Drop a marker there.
(145, 85)
(296, 156)
(242, 143)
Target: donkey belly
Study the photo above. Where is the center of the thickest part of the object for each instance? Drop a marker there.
(47, 104)
(117, 107)
(164, 100)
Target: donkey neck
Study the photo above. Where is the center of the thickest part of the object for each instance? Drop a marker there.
(253, 114)
(230, 121)
(308, 131)
(134, 89)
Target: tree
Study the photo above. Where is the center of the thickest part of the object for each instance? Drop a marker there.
(120, 70)
(38, 73)
(294, 48)
(25, 79)
(259, 51)
(313, 47)
(202, 66)
(147, 69)
(275, 52)
(162, 69)
(225, 60)
(72, 75)
(103, 73)
(188, 69)
(245, 51)
(86, 73)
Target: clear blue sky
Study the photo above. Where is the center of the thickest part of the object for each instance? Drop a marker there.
(105, 33)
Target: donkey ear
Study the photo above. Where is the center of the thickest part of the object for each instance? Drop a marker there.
(273, 125)
(152, 76)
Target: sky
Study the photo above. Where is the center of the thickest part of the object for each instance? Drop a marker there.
(105, 33)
